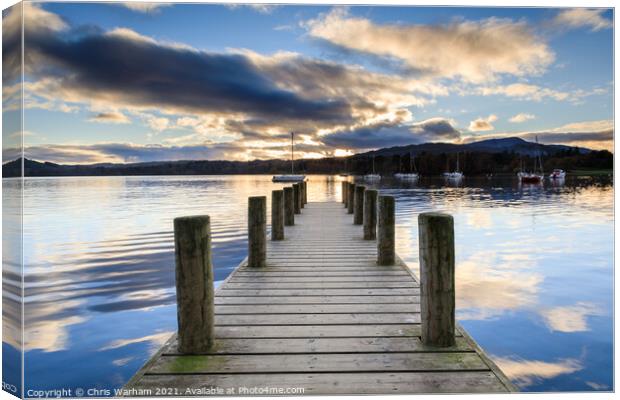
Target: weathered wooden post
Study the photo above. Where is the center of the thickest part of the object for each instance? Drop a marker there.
(437, 299)
(386, 244)
(297, 198)
(370, 214)
(194, 284)
(343, 191)
(358, 205)
(302, 189)
(257, 231)
(305, 192)
(277, 215)
(289, 206)
(350, 198)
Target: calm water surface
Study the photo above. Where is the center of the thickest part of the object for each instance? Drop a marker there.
(534, 270)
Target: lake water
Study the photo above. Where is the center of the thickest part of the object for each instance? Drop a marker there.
(534, 269)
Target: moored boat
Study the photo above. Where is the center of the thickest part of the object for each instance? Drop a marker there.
(557, 174)
(373, 176)
(537, 175)
(408, 176)
(290, 177)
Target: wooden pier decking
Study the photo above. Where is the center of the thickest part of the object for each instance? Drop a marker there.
(322, 316)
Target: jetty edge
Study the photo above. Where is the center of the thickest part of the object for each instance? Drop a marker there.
(323, 317)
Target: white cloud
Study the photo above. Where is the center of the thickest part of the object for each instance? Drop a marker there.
(527, 372)
(483, 124)
(523, 91)
(521, 117)
(583, 17)
(144, 6)
(570, 318)
(475, 51)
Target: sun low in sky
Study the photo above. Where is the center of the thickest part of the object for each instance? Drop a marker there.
(131, 82)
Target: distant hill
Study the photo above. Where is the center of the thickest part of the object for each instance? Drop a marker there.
(511, 144)
(494, 155)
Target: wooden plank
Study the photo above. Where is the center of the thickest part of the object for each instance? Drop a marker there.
(227, 292)
(321, 285)
(318, 319)
(283, 272)
(323, 345)
(316, 309)
(254, 300)
(317, 331)
(319, 279)
(339, 362)
(352, 269)
(326, 383)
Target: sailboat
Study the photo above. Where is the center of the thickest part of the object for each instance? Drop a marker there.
(346, 168)
(456, 174)
(537, 175)
(292, 177)
(410, 176)
(374, 176)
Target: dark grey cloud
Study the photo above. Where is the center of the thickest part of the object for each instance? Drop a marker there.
(387, 135)
(139, 71)
(568, 137)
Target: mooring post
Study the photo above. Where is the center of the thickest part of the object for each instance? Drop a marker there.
(305, 192)
(297, 198)
(302, 189)
(350, 198)
(358, 205)
(289, 206)
(277, 215)
(194, 284)
(257, 231)
(370, 214)
(343, 190)
(437, 299)
(386, 244)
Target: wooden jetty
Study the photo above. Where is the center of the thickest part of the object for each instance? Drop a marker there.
(322, 316)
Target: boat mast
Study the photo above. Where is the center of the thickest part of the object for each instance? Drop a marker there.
(539, 156)
(292, 154)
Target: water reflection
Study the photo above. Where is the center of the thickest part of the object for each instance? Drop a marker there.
(100, 279)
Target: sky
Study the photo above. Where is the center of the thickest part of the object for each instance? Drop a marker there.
(134, 82)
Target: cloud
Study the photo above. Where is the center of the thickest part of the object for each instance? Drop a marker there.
(393, 134)
(482, 124)
(144, 7)
(521, 117)
(525, 91)
(260, 8)
(527, 372)
(155, 341)
(489, 284)
(124, 67)
(110, 118)
(570, 318)
(582, 18)
(474, 51)
(125, 153)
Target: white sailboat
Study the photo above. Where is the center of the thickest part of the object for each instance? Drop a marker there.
(292, 177)
(411, 175)
(456, 174)
(373, 176)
